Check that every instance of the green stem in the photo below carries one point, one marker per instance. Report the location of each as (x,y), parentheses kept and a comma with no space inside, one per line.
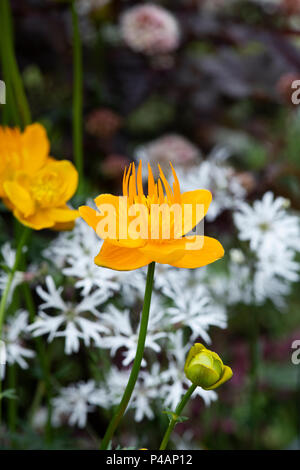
(137,361)
(178,412)
(36,402)
(77,97)
(12,73)
(11,275)
(6,291)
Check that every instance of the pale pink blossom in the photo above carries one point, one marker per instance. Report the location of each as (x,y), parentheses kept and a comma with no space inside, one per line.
(150,29)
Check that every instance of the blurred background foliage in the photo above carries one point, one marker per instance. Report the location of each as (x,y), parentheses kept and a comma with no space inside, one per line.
(228,83)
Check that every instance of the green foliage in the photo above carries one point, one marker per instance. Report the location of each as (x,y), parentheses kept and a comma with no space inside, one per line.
(154,114)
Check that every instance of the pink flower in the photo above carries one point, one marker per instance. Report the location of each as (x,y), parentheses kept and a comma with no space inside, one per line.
(150,29)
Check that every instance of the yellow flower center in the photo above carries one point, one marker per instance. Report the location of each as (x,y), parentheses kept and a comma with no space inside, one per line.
(45,189)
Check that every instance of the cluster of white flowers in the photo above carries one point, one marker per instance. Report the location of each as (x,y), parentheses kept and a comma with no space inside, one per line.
(274,239)
(150,29)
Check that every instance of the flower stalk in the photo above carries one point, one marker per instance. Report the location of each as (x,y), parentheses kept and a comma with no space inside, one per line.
(77,96)
(137,361)
(6,291)
(11,275)
(177,414)
(10,65)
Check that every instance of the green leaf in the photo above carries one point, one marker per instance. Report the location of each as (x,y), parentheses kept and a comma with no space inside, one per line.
(10,393)
(150,117)
(5,268)
(173,416)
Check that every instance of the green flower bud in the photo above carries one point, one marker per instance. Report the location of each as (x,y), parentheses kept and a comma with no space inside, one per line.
(205,368)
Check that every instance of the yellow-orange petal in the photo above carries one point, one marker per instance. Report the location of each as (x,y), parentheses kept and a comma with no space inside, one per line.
(67,175)
(211,251)
(164,253)
(116,213)
(19,198)
(90,216)
(104,199)
(176,186)
(63,214)
(168,189)
(35,147)
(151,183)
(120,258)
(199,202)
(37,221)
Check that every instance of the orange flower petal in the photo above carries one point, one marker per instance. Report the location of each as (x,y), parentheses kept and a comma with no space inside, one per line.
(211,251)
(19,198)
(176,186)
(89,215)
(199,201)
(67,174)
(63,214)
(36,147)
(164,253)
(151,183)
(37,221)
(108,199)
(120,258)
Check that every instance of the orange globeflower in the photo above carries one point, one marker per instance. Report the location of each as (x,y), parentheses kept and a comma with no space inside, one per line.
(139,229)
(21,151)
(33,185)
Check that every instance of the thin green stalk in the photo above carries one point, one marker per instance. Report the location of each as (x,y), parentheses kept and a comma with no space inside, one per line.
(11,275)
(37,399)
(12,72)
(137,361)
(9,110)
(6,291)
(77,97)
(178,412)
